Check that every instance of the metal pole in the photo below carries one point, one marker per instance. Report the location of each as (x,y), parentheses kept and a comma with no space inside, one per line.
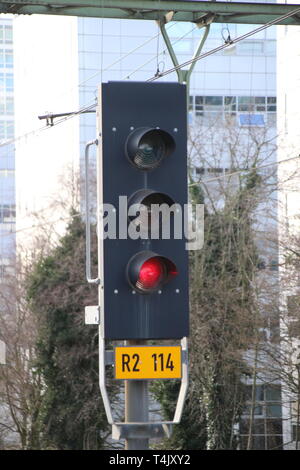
(136,407)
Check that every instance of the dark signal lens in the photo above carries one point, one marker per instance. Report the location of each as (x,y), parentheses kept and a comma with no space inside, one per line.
(147,219)
(150,151)
(147,147)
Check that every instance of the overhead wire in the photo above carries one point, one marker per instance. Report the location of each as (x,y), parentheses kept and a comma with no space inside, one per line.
(87,106)
(209,180)
(45,127)
(242,170)
(92,105)
(223,46)
(162,52)
(189,62)
(173,69)
(132,51)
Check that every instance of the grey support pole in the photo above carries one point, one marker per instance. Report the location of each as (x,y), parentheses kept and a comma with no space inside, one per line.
(136,408)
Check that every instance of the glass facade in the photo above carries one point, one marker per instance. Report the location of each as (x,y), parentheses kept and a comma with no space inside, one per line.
(261,424)
(241,110)
(7,159)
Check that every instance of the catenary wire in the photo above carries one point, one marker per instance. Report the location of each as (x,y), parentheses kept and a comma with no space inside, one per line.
(162,52)
(189,62)
(91,106)
(125,56)
(260,167)
(226,175)
(261,28)
(223,46)
(86,107)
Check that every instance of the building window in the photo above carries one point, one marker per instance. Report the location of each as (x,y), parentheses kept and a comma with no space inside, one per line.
(250,47)
(6,82)
(296,433)
(6,130)
(293,305)
(6,34)
(209,171)
(6,104)
(7,213)
(253,104)
(251,120)
(244,110)
(230,104)
(266,429)
(6,59)
(199,105)
(271,103)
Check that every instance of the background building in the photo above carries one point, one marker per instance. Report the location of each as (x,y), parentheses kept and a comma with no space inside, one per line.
(288,73)
(7,154)
(234,83)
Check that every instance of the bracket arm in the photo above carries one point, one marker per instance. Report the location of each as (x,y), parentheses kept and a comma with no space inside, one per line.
(184,75)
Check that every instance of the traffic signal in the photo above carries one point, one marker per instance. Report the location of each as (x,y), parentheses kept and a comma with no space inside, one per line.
(142,190)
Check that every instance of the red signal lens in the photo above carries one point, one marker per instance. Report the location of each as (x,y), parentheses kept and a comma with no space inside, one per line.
(151,274)
(147,272)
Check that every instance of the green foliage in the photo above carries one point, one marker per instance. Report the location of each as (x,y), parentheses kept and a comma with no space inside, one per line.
(190,433)
(67,354)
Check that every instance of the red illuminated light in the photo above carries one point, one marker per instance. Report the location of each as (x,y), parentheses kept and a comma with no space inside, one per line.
(147,272)
(151,273)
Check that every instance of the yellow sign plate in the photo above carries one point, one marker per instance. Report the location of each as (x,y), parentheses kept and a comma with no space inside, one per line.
(147,362)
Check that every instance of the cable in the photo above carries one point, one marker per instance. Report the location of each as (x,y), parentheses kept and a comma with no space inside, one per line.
(192,184)
(162,74)
(153,58)
(244,170)
(38,130)
(223,46)
(123,56)
(8,234)
(195,59)
(87,107)
(75,113)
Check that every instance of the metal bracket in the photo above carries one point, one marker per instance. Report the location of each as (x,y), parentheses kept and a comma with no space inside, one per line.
(141,430)
(87,218)
(184,75)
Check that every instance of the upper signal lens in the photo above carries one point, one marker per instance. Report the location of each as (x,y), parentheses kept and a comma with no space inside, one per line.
(147,147)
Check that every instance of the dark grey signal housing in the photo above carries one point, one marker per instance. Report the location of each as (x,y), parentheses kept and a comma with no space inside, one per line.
(143,156)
